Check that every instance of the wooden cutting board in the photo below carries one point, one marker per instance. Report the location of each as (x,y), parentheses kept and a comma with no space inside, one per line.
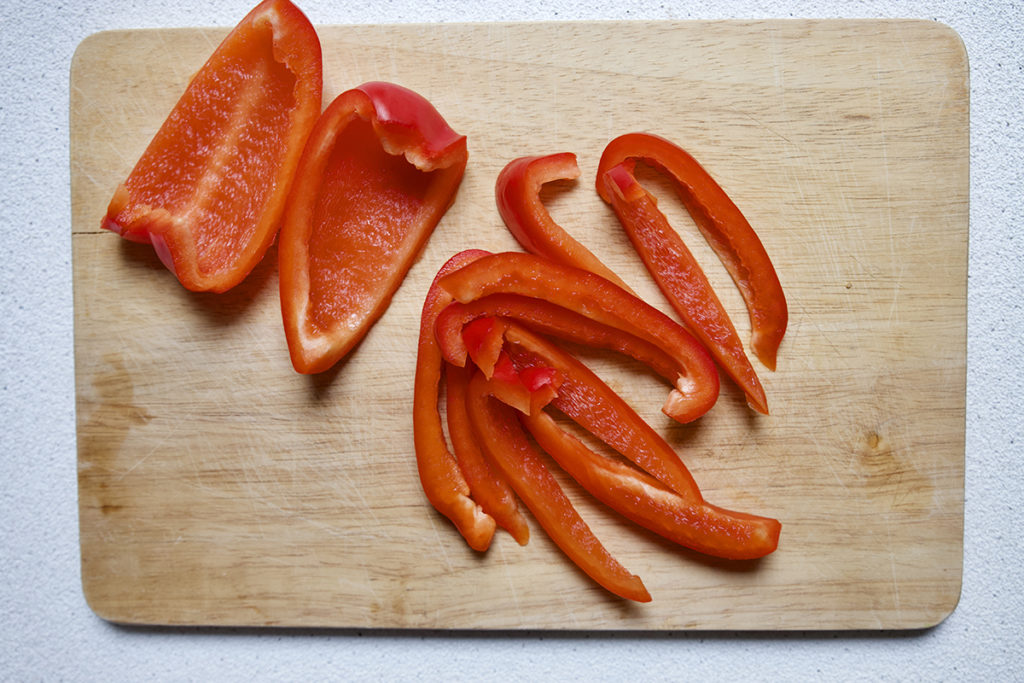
(217,486)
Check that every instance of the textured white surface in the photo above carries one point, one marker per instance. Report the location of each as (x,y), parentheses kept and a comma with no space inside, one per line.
(49,632)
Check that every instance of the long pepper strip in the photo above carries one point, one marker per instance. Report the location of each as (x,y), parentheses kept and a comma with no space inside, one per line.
(594,297)
(681,279)
(488,487)
(440,475)
(503,438)
(699,526)
(517,192)
(723,225)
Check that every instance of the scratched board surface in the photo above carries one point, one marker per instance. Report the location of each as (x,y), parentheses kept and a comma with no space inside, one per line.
(217,486)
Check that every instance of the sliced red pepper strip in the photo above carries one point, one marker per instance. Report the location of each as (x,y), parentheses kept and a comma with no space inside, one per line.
(502,437)
(517,192)
(379,171)
(592,404)
(527,391)
(440,475)
(596,298)
(540,316)
(488,487)
(724,227)
(681,279)
(646,501)
(209,190)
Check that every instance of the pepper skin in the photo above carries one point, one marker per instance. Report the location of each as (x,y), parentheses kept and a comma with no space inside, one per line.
(486,484)
(210,188)
(379,171)
(517,192)
(594,297)
(723,225)
(440,474)
(681,279)
(699,525)
(503,438)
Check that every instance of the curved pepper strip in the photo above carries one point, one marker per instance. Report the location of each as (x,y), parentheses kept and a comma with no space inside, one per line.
(503,438)
(644,500)
(540,316)
(681,279)
(209,190)
(592,296)
(517,192)
(488,488)
(592,404)
(440,475)
(724,227)
(379,171)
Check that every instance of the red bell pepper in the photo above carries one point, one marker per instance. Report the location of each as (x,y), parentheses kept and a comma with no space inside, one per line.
(541,316)
(518,196)
(486,484)
(440,475)
(379,171)
(209,190)
(697,525)
(723,225)
(592,404)
(592,296)
(502,437)
(681,279)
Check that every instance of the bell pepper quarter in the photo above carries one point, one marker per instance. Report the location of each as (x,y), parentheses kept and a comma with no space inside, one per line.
(440,474)
(540,316)
(647,502)
(587,400)
(723,226)
(681,279)
(379,171)
(209,190)
(486,484)
(594,297)
(502,437)
(517,192)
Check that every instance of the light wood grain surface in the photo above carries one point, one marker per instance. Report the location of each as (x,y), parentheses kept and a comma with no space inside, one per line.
(217,486)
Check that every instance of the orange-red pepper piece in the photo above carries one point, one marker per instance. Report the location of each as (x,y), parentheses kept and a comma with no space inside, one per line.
(590,295)
(486,483)
(681,279)
(722,224)
(379,171)
(517,192)
(592,404)
(210,188)
(697,525)
(503,438)
(440,475)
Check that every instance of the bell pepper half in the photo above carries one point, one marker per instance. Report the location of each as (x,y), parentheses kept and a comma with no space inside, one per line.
(643,499)
(442,478)
(379,171)
(517,192)
(502,437)
(209,190)
(681,279)
(594,297)
(722,224)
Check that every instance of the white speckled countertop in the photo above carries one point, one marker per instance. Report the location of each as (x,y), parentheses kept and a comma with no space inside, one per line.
(48,631)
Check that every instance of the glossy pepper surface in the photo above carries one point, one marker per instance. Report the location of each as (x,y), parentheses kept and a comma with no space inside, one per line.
(722,224)
(501,435)
(594,297)
(681,279)
(379,171)
(517,192)
(209,190)
(440,475)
